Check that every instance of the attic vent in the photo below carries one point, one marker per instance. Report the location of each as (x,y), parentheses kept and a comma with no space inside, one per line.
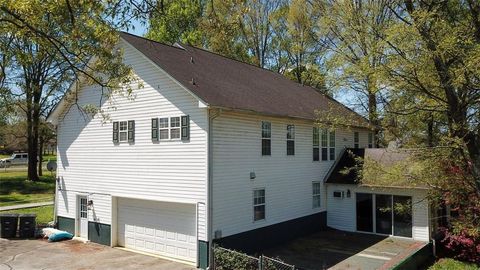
(176,44)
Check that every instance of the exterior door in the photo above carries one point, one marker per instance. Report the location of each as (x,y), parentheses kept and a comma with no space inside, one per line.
(82,217)
(364,212)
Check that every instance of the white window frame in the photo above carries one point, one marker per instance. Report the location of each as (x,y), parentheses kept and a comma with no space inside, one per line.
(316,143)
(356,139)
(316,197)
(370,140)
(177,127)
(122,131)
(266,138)
(332,145)
(291,138)
(259,204)
(323,143)
(168,127)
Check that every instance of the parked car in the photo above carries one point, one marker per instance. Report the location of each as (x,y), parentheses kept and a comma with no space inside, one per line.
(14,159)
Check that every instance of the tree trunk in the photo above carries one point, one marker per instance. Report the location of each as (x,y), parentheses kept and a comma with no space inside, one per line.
(40,156)
(372,110)
(430,135)
(32,150)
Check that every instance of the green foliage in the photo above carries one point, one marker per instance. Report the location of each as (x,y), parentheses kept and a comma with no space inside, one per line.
(451,264)
(18,198)
(16,182)
(227,260)
(44,213)
(176,21)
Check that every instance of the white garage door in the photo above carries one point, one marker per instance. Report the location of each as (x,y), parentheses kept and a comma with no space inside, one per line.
(162,228)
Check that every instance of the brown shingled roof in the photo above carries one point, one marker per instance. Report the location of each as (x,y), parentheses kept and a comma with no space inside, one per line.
(227,83)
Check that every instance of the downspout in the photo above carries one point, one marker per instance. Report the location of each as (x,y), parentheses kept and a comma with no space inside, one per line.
(55,220)
(211,117)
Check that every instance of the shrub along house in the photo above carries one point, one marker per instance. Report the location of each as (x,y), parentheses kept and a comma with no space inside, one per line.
(209,150)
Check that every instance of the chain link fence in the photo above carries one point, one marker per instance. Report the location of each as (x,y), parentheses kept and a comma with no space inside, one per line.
(226,259)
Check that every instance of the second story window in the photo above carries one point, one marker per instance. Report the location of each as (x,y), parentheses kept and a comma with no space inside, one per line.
(316,144)
(123,131)
(332,145)
(370,140)
(290,140)
(163,126)
(356,140)
(324,142)
(174,127)
(266,138)
(166,128)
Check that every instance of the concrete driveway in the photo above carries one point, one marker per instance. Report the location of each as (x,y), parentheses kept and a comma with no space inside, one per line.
(74,255)
(332,249)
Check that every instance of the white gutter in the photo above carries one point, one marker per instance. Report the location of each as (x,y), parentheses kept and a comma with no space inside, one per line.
(211,117)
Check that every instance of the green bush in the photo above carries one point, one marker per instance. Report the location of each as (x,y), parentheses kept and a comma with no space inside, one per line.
(451,264)
(230,260)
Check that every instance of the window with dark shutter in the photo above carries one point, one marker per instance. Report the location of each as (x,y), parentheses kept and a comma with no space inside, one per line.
(115,132)
(186,127)
(154,129)
(131,131)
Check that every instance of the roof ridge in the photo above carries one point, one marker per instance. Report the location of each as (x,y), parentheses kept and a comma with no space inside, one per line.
(243,62)
(151,40)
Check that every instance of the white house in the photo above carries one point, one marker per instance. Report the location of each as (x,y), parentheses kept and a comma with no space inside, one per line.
(208,150)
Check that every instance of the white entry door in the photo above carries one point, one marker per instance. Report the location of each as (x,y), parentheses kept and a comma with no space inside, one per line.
(163,228)
(82,217)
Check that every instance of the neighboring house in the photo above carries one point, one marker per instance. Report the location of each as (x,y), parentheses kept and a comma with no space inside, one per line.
(209,150)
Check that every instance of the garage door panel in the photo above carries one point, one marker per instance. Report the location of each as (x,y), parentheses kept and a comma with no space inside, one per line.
(158,227)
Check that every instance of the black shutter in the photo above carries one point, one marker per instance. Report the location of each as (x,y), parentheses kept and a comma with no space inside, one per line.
(154,129)
(185,127)
(115,132)
(131,131)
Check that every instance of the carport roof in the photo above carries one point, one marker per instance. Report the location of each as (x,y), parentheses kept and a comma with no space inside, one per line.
(382,167)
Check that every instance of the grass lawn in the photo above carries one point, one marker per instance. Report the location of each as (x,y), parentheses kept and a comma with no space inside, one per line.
(44,213)
(451,264)
(15,189)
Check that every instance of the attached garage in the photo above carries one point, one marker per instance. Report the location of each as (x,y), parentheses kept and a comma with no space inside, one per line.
(163,228)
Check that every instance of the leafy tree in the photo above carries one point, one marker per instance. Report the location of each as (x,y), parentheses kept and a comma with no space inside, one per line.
(433,60)
(178,20)
(49,43)
(221,25)
(353,31)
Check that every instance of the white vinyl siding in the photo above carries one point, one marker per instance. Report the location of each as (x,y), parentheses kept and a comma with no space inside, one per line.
(341,212)
(287,179)
(172,170)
